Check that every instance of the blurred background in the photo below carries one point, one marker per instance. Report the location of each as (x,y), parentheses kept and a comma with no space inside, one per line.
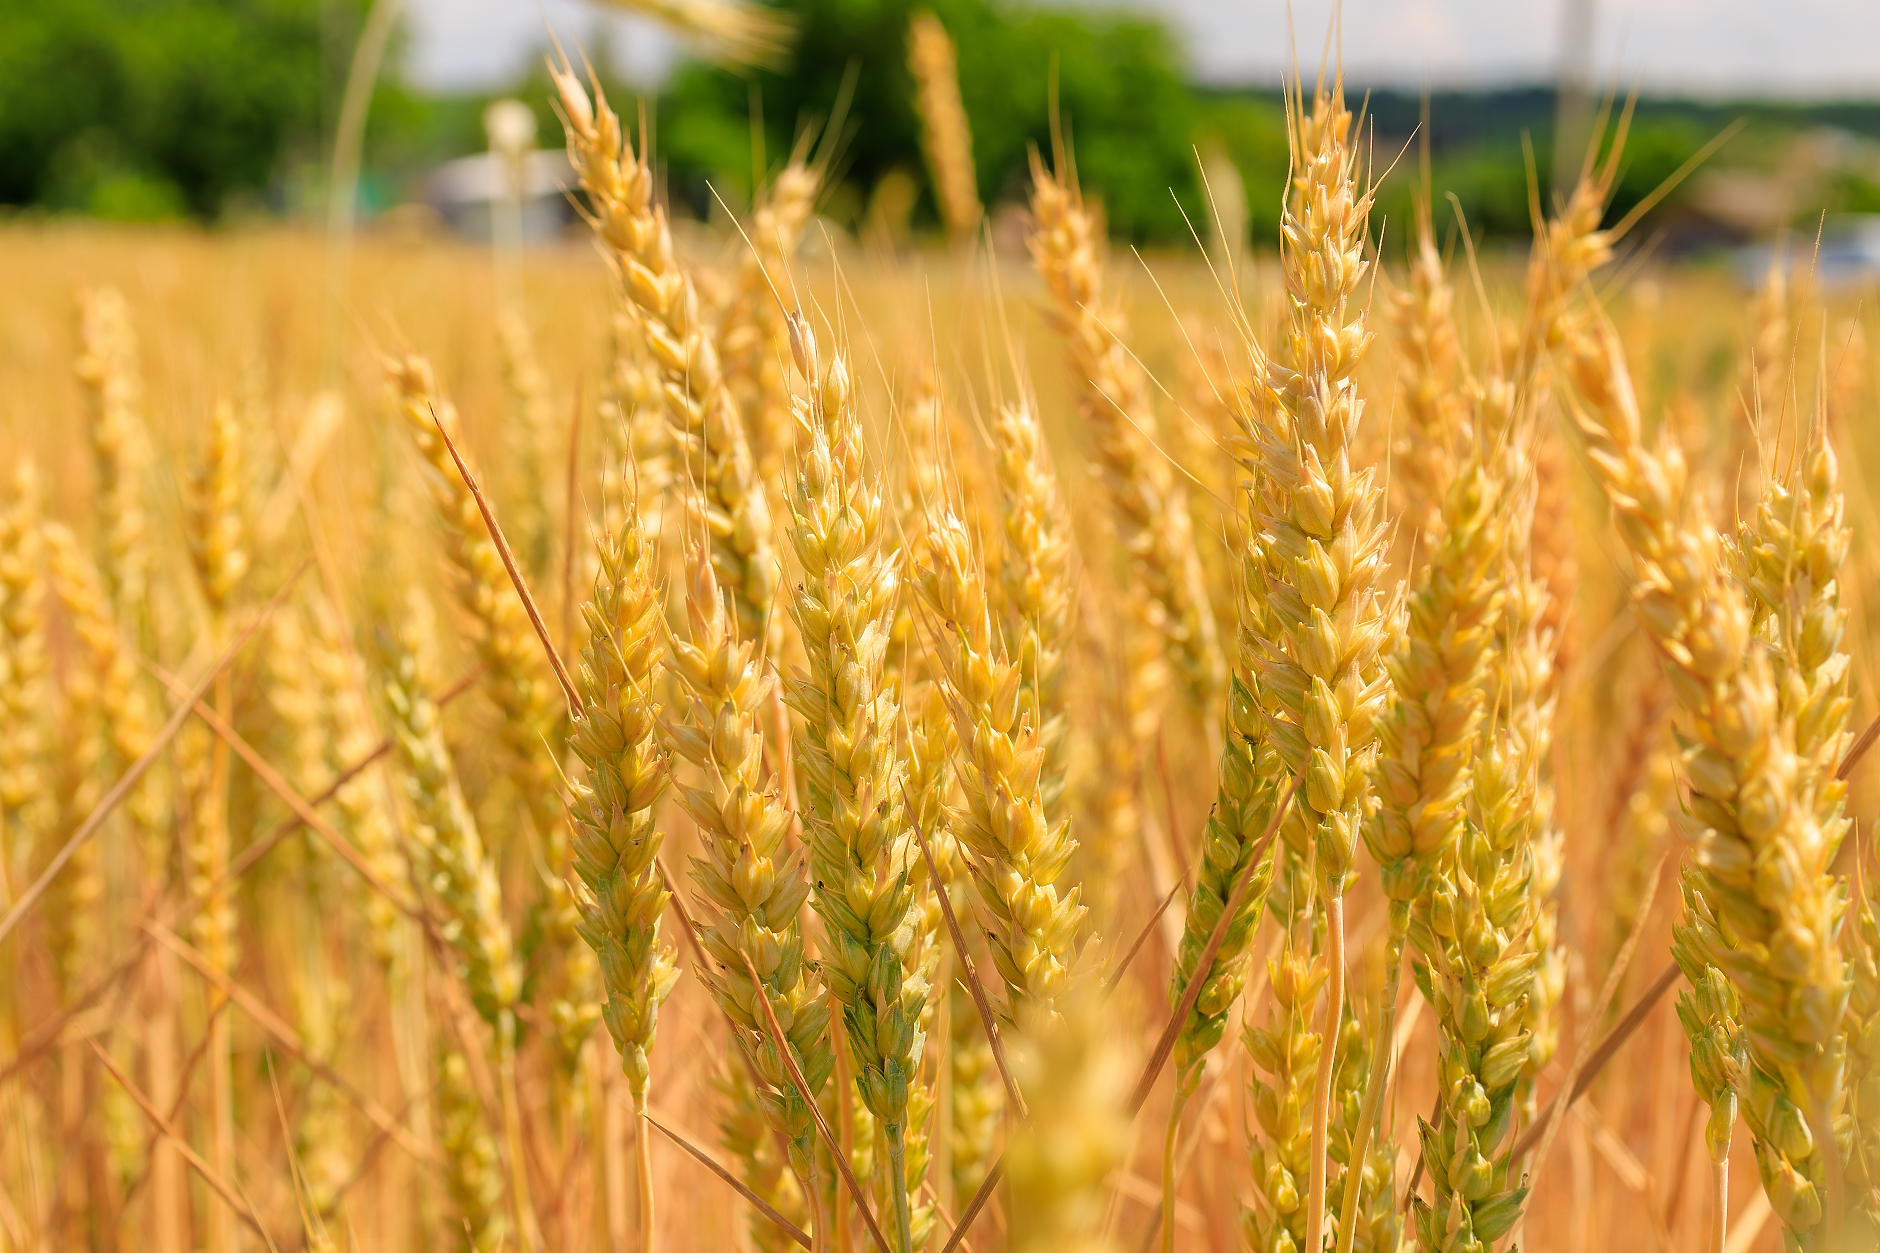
(226,111)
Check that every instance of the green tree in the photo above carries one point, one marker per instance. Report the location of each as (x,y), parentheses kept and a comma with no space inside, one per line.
(147,108)
(1120,88)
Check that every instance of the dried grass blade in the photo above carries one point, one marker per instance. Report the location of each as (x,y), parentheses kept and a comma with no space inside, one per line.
(782,1042)
(1142,936)
(1858,748)
(123,786)
(290,1040)
(242,1210)
(509,564)
(711,1163)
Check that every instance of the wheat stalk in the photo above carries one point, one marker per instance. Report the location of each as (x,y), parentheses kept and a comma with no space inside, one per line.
(1114,397)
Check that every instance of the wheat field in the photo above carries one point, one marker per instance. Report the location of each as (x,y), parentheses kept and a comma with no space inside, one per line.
(758,740)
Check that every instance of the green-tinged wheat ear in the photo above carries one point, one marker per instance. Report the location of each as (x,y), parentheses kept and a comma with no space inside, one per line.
(616,846)
(752,886)
(1858,1128)
(473,1173)
(1015,854)
(1756,803)
(700,404)
(862,847)
(446,842)
(1113,392)
(1322,682)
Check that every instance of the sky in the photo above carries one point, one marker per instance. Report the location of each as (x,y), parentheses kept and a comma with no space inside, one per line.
(1799,48)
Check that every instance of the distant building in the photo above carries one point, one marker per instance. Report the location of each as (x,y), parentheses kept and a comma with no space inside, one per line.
(465,193)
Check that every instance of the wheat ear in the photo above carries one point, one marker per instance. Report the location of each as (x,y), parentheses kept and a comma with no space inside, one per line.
(616,846)
(753,336)
(1113,394)
(1434,435)
(700,405)
(1321,675)
(1034,581)
(453,861)
(1014,853)
(1859,1127)
(530,418)
(23,671)
(1753,807)
(753,888)
(861,847)
(945,134)
(215,531)
(120,445)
